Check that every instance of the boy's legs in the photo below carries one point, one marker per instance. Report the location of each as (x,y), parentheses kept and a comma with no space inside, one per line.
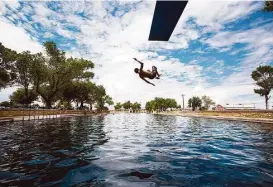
(155,73)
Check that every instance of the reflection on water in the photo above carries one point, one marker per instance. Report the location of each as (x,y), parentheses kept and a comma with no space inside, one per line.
(136,150)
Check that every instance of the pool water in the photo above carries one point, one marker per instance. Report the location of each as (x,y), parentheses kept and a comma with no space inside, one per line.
(136,150)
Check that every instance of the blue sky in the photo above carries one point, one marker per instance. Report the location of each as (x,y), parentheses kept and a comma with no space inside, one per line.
(213,50)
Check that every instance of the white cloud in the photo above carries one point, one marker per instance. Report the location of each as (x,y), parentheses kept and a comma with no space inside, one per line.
(214,14)
(12,4)
(2,8)
(238,86)
(217,67)
(17,38)
(240,83)
(48,35)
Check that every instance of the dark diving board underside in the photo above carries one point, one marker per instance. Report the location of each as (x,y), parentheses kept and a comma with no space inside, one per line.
(166,16)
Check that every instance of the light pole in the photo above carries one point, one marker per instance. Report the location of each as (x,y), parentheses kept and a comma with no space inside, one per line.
(183,100)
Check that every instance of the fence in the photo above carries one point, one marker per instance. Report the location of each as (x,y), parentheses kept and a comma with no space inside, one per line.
(31,113)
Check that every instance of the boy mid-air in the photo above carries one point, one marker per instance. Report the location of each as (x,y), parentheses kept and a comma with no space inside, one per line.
(146,74)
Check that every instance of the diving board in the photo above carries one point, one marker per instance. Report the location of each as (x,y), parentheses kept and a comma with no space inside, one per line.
(166,16)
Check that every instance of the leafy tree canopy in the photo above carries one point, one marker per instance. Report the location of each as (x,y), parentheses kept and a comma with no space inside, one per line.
(268,6)
(19,97)
(7,68)
(194,102)
(263,77)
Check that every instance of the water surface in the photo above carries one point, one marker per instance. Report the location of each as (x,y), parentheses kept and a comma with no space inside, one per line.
(136,150)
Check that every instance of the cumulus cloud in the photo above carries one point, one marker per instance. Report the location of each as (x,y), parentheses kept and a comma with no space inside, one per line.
(17,38)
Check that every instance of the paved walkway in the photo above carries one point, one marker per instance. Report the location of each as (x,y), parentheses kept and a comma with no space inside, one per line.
(229,118)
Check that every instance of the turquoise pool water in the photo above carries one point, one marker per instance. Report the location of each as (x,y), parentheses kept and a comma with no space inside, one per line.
(136,150)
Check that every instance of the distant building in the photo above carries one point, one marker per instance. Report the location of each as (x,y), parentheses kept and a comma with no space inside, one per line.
(234,107)
(219,108)
(240,108)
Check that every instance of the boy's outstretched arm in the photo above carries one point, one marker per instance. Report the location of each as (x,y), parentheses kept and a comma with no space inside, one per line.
(141,63)
(138,60)
(147,81)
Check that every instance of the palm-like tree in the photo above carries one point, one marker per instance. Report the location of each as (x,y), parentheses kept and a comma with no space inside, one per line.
(263,76)
(268,6)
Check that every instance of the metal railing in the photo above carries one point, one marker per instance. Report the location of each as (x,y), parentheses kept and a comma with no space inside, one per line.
(27,114)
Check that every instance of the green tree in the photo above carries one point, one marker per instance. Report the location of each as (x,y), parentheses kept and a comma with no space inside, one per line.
(5,104)
(170,103)
(100,103)
(23,67)
(160,104)
(136,107)
(263,77)
(118,106)
(268,6)
(148,106)
(64,104)
(194,102)
(108,100)
(207,102)
(86,92)
(82,92)
(69,94)
(127,105)
(100,98)
(54,73)
(154,105)
(7,68)
(96,93)
(20,97)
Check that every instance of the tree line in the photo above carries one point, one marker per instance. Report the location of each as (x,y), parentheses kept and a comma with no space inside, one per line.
(159,104)
(202,103)
(52,77)
(128,105)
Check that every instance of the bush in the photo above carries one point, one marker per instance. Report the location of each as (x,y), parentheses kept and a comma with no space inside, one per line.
(203,108)
(5,104)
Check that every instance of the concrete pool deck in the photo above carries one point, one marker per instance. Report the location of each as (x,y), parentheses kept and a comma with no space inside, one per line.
(211,116)
(41,117)
(229,118)
(45,117)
